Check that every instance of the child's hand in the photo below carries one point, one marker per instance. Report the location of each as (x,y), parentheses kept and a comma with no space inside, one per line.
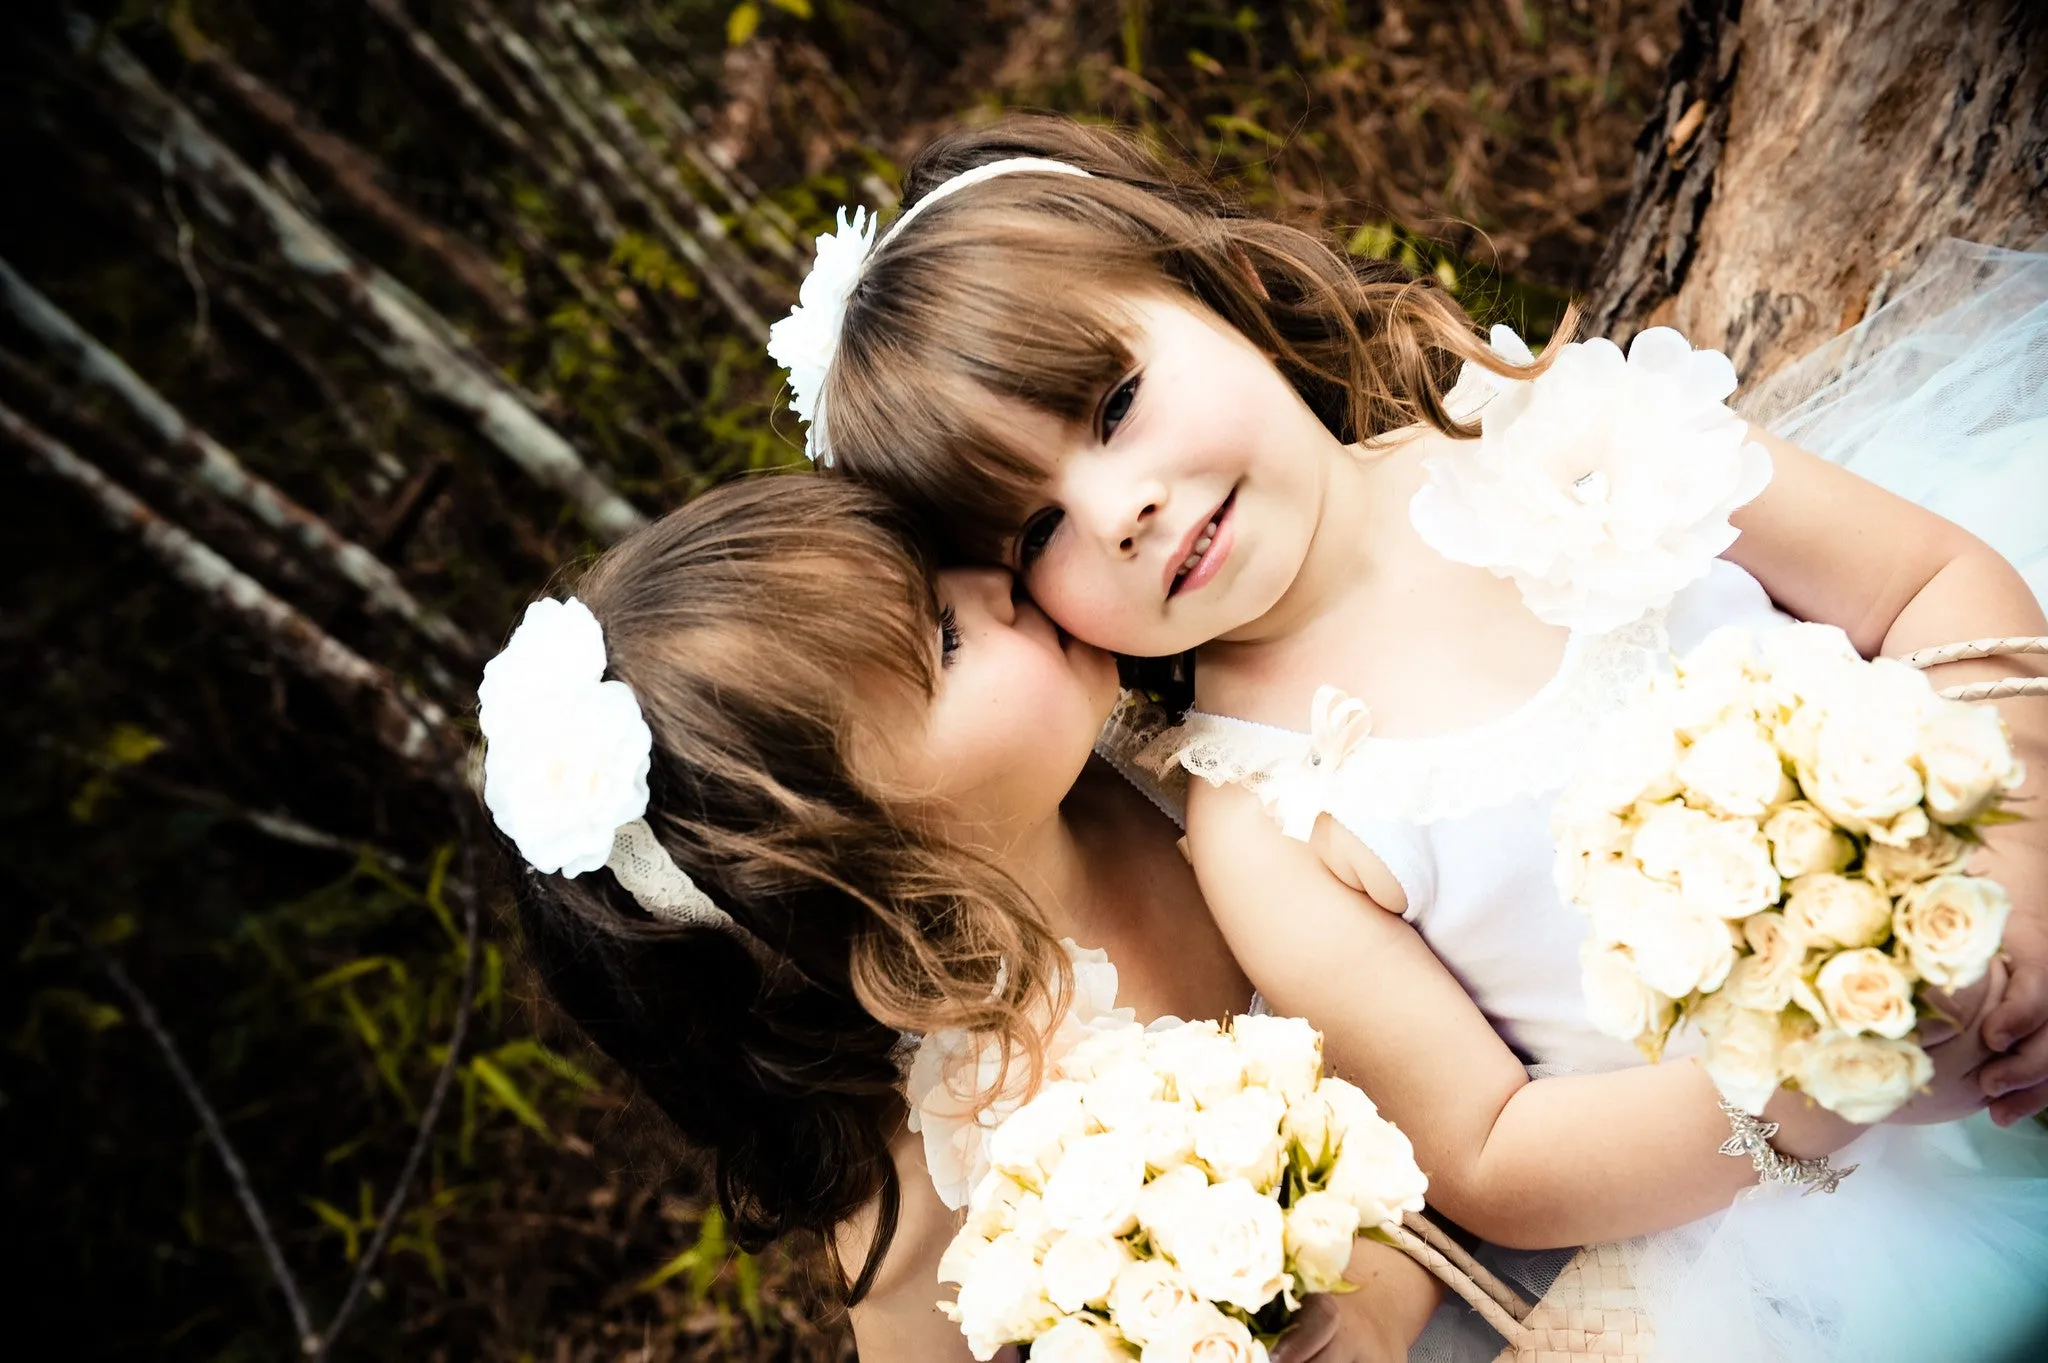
(1375,1324)
(1958,1051)
(2016,1082)
(1337,1329)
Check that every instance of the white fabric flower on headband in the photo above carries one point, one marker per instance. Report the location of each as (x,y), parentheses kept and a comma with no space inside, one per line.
(806,341)
(568,752)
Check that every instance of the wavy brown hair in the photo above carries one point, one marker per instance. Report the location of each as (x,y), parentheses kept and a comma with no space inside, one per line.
(761,627)
(1010,286)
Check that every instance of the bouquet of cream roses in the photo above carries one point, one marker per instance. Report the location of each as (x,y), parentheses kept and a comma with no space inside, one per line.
(1171,1194)
(1772,844)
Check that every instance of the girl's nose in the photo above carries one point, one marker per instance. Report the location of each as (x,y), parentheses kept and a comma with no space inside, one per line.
(1135,526)
(1120,510)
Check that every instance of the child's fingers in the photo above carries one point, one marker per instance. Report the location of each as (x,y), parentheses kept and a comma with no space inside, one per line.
(2024,1009)
(2017,1107)
(2019,1071)
(1311,1332)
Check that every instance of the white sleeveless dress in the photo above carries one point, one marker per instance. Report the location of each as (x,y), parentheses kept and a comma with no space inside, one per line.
(1937,1248)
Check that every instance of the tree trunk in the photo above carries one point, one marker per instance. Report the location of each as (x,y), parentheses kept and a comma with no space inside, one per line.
(1809,153)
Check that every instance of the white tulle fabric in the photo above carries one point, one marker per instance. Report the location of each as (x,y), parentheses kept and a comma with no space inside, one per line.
(1941,396)
(1938,1247)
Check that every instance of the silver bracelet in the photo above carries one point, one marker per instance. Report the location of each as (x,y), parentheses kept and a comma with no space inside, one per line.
(1753,1138)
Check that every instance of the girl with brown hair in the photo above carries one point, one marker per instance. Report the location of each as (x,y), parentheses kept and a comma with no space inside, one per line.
(1190,429)
(780,795)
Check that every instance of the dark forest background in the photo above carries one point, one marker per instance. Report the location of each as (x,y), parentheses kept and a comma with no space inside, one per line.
(329,331)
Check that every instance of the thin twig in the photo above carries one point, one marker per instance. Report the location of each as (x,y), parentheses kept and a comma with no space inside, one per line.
(238,1174)
(388,1223)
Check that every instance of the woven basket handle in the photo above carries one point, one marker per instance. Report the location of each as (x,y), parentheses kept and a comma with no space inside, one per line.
(1497,1304)
(2001,689)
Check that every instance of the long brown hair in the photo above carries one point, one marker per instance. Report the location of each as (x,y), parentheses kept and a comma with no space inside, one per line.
(760,627)
(1008,285)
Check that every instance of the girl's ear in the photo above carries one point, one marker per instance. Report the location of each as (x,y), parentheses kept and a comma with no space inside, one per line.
(1244,263)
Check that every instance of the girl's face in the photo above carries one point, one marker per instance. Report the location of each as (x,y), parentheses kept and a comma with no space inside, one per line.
(1185,510)
(1015,715)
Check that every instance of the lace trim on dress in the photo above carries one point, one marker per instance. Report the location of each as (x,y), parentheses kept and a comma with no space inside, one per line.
(1532,750)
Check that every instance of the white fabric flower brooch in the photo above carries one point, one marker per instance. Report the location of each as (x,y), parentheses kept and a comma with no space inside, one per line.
(1602,487)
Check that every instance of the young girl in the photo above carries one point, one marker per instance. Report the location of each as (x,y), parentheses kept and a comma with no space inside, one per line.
(776,795)
(1189,429)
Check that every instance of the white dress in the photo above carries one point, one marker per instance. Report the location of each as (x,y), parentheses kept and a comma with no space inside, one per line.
(1937,1248)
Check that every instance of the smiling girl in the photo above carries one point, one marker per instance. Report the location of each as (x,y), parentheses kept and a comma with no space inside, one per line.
(1191,429)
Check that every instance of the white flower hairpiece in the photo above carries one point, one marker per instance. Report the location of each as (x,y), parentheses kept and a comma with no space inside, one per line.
(806,341)
(566,763)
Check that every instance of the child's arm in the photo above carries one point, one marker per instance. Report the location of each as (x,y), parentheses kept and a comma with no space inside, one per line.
(1830,546)
(1528,1164)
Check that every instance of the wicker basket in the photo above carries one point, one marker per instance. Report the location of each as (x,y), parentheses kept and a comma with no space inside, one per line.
(1588,1313)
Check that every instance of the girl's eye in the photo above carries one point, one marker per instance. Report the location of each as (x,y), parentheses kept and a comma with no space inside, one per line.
(949,636)
(1118,406)
(1036,534)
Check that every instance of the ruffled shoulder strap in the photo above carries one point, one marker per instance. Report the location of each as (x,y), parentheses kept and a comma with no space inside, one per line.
(1293,774)
(1603,486)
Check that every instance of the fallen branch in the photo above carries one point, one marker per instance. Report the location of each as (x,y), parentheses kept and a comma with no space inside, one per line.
(775,228)
(566,183)
(55,406)
(353,175)
(485,28)
(413,730)
(158,236)
(317,1345)
(216,469)
(391,322)
(594,298)
(645,160)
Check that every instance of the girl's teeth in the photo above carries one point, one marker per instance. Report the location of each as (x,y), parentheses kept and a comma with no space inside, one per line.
(1201,547)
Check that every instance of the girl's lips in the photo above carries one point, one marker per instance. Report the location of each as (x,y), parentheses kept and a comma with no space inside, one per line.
(1212,556)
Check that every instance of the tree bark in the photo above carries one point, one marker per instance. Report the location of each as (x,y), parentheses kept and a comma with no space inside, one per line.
(1808,154)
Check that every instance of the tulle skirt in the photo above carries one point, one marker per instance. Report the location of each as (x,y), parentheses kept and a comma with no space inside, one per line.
(1937,1248)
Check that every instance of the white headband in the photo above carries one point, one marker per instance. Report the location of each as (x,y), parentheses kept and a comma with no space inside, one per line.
(566,762)
(806,341)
